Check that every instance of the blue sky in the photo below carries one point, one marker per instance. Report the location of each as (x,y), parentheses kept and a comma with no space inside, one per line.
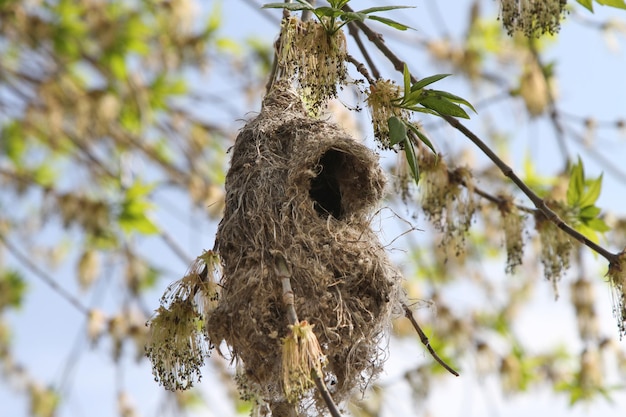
(591,73)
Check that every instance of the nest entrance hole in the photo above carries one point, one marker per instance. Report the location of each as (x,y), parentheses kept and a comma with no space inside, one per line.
(325,188)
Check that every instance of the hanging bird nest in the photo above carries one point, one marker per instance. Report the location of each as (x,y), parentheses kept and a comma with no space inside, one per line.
(300,190)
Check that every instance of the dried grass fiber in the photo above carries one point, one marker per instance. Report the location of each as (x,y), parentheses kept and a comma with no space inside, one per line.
(302,189)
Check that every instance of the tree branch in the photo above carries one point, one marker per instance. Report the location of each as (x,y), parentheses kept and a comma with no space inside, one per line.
(536,200)
(360,68)
(398,64)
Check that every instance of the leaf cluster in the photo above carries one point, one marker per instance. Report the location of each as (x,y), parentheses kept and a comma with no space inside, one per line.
(333,17)
(436,102)
(417,98)
(135,210)
(582,194)
(588,4)
(12,289)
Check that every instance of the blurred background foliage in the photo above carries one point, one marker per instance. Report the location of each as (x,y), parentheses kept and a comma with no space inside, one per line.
(115,122)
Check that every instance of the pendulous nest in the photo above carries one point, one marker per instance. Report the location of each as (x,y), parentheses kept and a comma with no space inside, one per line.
(302,190)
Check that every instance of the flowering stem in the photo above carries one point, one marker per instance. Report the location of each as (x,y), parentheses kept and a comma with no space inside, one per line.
(554,114)
(360,67)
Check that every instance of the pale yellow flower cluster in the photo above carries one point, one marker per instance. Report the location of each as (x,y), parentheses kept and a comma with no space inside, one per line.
(380,101)
(556,248)
(617,278)
(177,342)
(513,225)
(532,17)
(314,58)
(447,200)
(302,356)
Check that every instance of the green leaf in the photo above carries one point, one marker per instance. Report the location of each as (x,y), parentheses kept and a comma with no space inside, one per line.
(407,80)
(149,279)
(383,9)
(141,224)
(351,16)
(228,45)
(13,143)
(338,4)
(411,99)
(589,233)
(293,7)
(428,80)
(422,137)
(389,22)
(215,18)
(44,175)
(576,184)
(589,212)
(453,98)
(129,118)
(444,106)
(328,12)
(598,225)
(421,110)
(593,192)
(588,4)
(118,66)
(619,4)
(409,152)
(397,130)
(12,289)
(135,208)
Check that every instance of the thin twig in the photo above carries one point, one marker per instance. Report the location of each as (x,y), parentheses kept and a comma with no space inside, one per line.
(174,246)
(554,113)
(83,148)
(606,164)
(377,39)
(44,276)
(306,14)
(424,339)
(587,121)
(328,399)
(360,68)
(275,64)
(269,16)
(352,30)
